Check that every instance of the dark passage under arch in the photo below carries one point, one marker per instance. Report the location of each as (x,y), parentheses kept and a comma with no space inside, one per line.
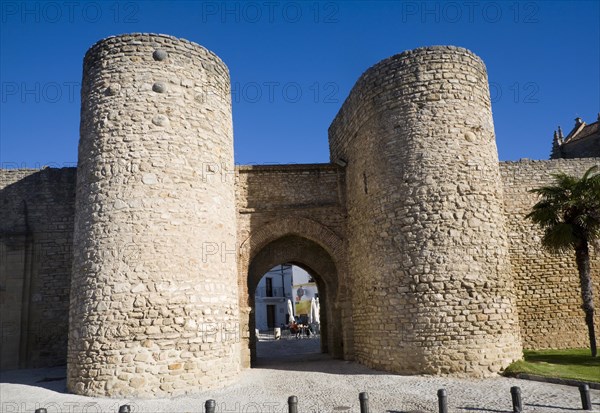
(318,263)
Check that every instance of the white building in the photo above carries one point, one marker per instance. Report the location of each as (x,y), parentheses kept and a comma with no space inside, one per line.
(273,292)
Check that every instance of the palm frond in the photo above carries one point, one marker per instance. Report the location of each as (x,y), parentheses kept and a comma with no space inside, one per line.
(565,181)
(587,173)
(544,214)
(569,210)
(560,237)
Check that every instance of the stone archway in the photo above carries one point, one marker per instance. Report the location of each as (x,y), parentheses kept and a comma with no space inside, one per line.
(317,249)
(307,254)
(305,227)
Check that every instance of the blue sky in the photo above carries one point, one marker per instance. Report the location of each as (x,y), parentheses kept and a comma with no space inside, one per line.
(292,65)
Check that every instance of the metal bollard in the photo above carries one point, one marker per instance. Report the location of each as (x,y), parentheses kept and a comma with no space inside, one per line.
(443,400)
(293,404)
(41,410)
(515,393)
(586,402)
(364,402)
(125,408)
(210,406)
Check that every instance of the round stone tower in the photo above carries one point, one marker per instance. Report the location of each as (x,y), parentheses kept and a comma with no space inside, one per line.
(154,306)
(428,258)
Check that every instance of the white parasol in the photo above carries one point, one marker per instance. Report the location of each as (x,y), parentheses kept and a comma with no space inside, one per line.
(290,310)
(314,312)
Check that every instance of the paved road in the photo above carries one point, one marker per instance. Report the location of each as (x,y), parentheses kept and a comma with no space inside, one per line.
(321,384)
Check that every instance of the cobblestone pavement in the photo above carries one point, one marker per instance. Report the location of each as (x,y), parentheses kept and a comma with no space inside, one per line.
(322,385)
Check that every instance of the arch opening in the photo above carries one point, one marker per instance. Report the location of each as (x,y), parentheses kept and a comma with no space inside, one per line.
(316,261)
(287,316)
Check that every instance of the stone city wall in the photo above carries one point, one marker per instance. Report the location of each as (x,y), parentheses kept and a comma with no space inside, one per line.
(36,237)
(547,284)
(414,232)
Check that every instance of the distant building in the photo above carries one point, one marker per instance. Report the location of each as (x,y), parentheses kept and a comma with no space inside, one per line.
(582,142)
(273,292)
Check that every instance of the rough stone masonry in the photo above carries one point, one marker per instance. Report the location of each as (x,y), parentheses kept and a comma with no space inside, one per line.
(155,243)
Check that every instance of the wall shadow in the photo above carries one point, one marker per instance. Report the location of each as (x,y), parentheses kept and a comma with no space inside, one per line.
(51,378)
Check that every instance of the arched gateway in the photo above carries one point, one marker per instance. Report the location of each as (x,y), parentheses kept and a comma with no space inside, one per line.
(320,251)
(404,230)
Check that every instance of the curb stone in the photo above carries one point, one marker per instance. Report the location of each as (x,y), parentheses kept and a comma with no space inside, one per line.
(566,382)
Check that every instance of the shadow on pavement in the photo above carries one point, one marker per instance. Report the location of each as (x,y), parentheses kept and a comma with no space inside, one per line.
(546,406)
(304,355)
(51,378)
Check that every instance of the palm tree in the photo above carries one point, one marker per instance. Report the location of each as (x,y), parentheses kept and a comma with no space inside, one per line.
(569,214)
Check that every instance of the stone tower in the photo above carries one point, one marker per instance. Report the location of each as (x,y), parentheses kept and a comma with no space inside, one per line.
(431,279)
(154,297)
